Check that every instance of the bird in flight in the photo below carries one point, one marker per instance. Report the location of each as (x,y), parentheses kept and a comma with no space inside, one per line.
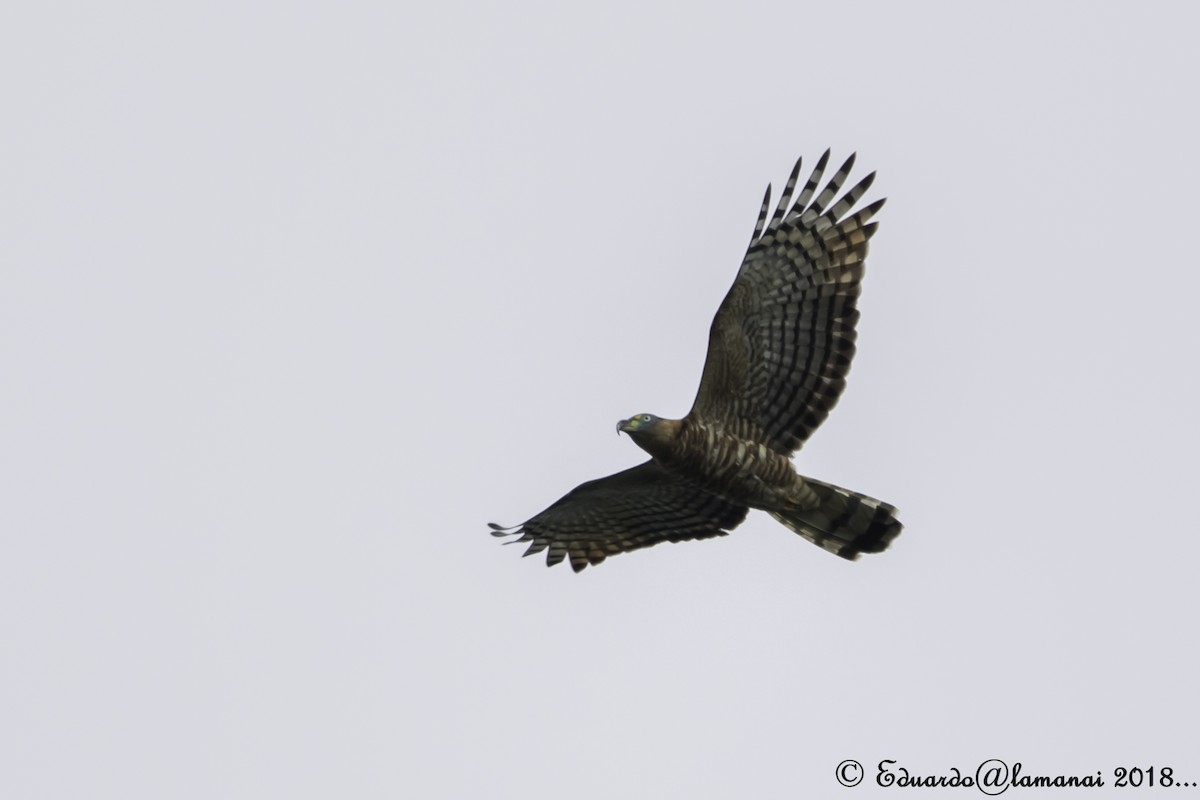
(778,352)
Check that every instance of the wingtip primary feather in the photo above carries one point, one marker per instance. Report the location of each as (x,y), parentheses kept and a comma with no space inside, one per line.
(535,547)
(502,530)
(846,203)
(785,198)
(830,191)
(762,216)
(810,187)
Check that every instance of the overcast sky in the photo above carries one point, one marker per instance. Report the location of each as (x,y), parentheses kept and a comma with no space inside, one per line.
(295,298)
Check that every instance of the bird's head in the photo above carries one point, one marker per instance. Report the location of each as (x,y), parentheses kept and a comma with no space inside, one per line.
(639,423)
(653,434)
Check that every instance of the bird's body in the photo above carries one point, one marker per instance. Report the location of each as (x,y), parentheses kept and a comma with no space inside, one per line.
(729,463)
(779,350)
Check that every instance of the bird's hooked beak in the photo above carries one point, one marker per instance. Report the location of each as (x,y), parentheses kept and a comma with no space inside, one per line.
(625,425)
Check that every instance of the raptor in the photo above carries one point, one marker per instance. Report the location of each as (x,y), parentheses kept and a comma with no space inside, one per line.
(779,350)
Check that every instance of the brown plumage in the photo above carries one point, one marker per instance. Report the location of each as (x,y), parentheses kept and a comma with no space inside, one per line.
(778,353)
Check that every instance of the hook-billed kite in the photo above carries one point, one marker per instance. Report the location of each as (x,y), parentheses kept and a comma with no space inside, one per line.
(778,353)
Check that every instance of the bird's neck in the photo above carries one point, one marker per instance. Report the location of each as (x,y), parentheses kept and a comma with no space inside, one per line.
(661,441)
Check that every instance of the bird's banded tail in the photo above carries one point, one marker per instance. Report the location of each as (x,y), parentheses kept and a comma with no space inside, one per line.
(846,523)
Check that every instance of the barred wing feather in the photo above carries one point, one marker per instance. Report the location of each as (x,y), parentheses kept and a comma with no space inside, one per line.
(636,508)
(781,342)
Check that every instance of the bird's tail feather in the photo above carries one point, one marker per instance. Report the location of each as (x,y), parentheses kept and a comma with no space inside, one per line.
(845,523)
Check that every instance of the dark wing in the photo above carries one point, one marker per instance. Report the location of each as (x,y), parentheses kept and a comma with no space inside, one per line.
(781,342)
(636,508)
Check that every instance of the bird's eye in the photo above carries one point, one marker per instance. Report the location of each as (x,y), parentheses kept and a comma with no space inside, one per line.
(645,417)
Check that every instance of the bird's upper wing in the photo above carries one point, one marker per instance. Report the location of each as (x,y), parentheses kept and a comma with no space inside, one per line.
(781,342)
(637,508)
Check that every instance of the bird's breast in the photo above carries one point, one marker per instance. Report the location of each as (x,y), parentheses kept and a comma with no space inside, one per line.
(739,469)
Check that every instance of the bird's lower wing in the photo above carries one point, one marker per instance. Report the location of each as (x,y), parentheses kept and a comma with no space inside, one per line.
(637,508)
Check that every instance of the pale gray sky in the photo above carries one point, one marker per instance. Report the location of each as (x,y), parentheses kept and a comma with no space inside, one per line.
(295,298)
